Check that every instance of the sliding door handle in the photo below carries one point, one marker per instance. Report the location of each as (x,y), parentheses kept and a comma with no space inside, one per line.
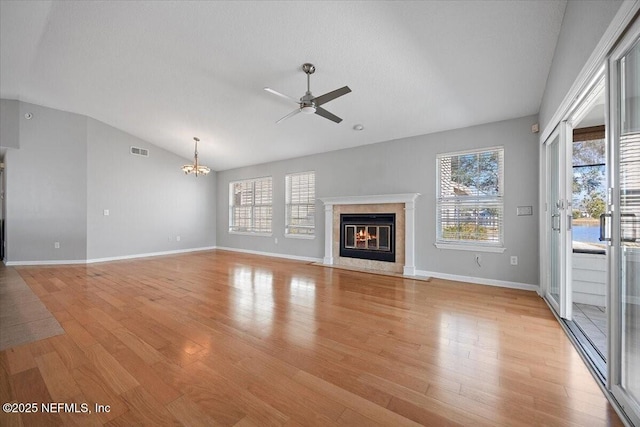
(555,217)
(605,230)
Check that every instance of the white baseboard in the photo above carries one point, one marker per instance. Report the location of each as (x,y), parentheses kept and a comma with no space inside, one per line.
(421,273)
(47,262)
(478,280)
(271,254)
(150,254)
(107,259)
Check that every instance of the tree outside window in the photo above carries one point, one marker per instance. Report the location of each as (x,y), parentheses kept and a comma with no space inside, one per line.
(470,202)
(589,187)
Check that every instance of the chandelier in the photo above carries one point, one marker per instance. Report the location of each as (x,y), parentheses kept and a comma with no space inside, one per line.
(195,168)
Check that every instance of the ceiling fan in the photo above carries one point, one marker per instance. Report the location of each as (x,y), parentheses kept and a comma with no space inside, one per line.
(310,104)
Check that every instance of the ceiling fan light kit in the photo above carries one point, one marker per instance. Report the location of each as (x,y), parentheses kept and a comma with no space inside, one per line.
(308,109)
(310,104)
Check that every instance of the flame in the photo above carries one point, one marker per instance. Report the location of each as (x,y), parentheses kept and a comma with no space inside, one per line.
(363,236)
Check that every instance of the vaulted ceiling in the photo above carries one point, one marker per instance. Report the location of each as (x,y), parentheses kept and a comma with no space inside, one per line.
(168,71)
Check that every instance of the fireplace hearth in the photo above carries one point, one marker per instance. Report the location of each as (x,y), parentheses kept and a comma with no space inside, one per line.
(368,236)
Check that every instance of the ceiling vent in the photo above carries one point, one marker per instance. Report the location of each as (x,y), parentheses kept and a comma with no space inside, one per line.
(140,151)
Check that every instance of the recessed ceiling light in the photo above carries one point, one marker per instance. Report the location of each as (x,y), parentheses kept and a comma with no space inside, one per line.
(358,127)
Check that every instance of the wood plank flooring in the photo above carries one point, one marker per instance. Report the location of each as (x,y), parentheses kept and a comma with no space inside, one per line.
(225,339)
(23,317)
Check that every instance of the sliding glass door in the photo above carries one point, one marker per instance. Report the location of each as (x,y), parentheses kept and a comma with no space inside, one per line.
(558,223)
(624,208)
(577,169)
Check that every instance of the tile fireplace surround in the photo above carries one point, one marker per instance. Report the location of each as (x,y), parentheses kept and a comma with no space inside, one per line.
(403,205)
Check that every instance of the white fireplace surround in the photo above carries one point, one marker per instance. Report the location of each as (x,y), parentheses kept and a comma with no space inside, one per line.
(409,200)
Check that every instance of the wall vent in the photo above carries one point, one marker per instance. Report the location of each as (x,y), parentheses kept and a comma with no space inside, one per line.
(140,151)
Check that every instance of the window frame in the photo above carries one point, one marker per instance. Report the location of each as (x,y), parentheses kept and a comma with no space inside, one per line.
(252,230)
(288,203)
(497,200)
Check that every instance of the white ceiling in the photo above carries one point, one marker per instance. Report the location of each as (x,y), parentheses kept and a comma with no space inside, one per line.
(168,71)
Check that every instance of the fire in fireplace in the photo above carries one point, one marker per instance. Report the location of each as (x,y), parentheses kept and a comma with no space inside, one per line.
(368,236)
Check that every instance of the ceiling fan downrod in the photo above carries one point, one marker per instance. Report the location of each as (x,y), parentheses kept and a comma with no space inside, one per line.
(308,69)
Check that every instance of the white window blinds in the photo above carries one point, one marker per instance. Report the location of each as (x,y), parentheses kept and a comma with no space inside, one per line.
(470,207)
(300,204)
(630,186)
(250,205)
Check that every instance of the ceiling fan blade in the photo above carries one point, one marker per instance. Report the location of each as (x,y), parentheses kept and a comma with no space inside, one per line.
(323,99)
(281,95)
(327,115)
(293,113)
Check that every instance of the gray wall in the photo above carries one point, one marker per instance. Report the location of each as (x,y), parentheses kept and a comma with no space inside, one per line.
(582,28)
(69,168)
(46,187)
(150,200)
(9,124)
(407,166)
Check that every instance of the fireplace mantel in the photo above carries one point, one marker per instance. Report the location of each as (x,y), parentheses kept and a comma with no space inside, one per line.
(408,199)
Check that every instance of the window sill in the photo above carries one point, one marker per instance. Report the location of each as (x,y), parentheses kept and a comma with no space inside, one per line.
(473,248)
(300,236)
(249,233)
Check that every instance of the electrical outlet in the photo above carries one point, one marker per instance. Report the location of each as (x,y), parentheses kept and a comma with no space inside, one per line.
(56,245)
(514,260)
(276,240)
(105,212)
(177,238)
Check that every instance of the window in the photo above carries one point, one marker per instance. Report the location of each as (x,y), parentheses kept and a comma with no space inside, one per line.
(300,204)
(589,192)
(250,206)
(470,199)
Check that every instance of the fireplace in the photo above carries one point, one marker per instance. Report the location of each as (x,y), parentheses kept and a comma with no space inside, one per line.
(368,236)
(403,245)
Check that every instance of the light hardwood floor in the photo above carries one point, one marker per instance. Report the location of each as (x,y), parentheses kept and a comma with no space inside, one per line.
(221,338)
(23,317)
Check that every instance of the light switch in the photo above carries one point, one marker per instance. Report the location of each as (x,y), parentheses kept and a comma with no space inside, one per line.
(524,210)
(106,212)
